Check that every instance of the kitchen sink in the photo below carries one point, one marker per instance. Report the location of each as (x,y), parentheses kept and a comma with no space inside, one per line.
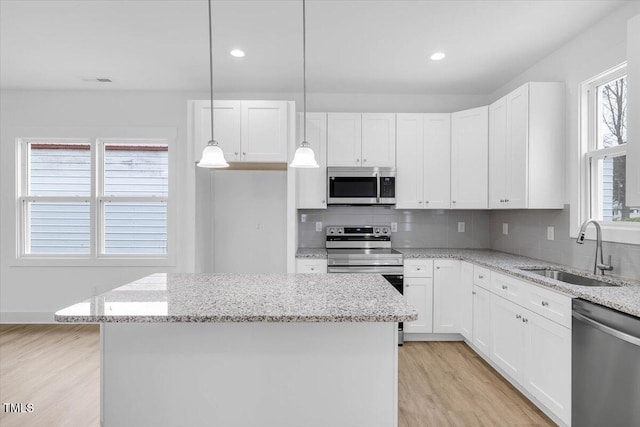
(571,278)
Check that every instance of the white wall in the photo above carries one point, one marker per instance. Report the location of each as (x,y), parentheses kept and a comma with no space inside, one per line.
(29,293)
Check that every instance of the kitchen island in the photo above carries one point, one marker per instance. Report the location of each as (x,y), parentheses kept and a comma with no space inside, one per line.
(248,350)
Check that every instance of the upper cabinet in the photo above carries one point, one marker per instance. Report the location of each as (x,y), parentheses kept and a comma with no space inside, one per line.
(469,158)
(247,131)
(311,184)
(633,110)
(355,139)
(423,158)
(526,148)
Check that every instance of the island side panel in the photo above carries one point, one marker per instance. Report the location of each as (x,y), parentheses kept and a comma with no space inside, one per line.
(242,374)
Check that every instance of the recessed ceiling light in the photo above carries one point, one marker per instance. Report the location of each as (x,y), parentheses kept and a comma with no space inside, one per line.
(438,56)
(237,53)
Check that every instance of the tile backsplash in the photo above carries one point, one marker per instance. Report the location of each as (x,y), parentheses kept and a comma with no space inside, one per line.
(527,233)
(416,228)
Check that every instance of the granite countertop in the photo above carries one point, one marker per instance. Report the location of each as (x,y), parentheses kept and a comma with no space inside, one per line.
(625,297)
(246,298)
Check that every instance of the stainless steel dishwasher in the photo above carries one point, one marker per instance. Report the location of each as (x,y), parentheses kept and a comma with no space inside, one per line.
(605,368)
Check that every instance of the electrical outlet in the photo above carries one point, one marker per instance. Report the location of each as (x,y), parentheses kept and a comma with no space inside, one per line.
(318,226)
(551,233)
(303,218)
(394,227)
(505,228)
(461,227)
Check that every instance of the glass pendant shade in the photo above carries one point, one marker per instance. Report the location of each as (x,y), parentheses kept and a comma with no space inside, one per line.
(212,157)
(304,157)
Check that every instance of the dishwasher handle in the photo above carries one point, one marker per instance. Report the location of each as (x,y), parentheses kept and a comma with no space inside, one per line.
(608,330)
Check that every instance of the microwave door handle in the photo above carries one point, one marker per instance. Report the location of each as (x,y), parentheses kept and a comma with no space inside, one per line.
(377,187)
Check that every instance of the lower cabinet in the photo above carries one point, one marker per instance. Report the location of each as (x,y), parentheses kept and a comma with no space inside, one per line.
(447,296)
(418,292)
(482,319)
(533,351)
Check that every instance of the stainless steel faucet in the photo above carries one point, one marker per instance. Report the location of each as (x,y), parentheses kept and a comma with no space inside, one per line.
(596,265)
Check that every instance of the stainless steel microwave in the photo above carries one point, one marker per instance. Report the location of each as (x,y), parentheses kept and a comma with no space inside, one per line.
(361,186)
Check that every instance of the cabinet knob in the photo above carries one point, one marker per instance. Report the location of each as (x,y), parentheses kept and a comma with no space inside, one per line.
(406,286)
(505,287)
(480,276)
(312,268)
(525,320)
(453,201)
(426,202)
(364,160)
(473,292)
(420,203)
(518,316)
(501,200)
(357,160)
(506,200)
(437,268)
(323,202)
(545,303)
(244,154)
(235,154)
(418,268)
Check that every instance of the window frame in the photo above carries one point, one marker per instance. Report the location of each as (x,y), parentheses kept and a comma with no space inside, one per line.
(96,139)
(618,232)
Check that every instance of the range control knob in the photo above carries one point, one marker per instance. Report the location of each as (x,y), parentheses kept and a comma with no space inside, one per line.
(340,230)
(377,231)
(332,230)
(385,230)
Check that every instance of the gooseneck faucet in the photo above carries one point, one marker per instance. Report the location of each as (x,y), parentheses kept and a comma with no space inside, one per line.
(581,234)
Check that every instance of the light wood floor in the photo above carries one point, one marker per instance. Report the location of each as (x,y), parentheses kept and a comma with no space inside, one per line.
(57,368)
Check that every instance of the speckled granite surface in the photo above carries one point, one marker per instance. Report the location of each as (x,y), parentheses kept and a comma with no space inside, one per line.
(625,298)
(315,253)
(246,298)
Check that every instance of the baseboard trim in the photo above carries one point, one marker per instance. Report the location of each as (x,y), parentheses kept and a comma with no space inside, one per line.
(432,337)
(26,317)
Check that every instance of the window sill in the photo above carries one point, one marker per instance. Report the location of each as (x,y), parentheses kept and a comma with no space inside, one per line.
(628,233)
(33,261)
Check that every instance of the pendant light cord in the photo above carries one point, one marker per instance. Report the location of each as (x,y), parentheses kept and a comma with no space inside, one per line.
(211,69)
(304,72)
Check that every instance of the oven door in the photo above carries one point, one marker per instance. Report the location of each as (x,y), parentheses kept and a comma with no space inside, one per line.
(351,187)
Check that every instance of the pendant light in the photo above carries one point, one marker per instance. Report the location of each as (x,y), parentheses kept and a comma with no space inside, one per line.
(212,155)
(304,157)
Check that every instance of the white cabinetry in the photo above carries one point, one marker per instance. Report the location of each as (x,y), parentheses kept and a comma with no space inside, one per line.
(418,291)
(469,158)
(633,110)
(247,131)
(507,345)
(356,139)
(447,296)
(311,184)
(466,300)
(482,319)
(311,266)
(424,161)
(526,149)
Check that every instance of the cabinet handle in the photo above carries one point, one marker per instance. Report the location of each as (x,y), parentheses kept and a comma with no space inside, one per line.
(545,303)
(505,287)
(518,316)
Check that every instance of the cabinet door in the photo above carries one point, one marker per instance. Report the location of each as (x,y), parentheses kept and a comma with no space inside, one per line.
(264,131)
(437,161)
(466,300)
(344,139)
(507,334)
(409,147)
(447,296)
(482,319)
(312,183)
(516,163)
(379,140)
(548,364)
(469,158)
(226,117)
(633,110)
(419,294)
(497,154)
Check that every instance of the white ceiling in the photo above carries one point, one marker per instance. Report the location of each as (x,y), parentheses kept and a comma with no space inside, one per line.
(352,46)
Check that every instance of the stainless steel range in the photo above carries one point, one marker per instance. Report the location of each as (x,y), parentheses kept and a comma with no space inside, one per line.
(365,249)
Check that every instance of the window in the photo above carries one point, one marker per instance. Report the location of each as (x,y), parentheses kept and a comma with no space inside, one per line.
(605,156)
(94,198)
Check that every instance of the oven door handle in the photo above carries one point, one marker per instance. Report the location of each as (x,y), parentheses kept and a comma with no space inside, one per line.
(373,270)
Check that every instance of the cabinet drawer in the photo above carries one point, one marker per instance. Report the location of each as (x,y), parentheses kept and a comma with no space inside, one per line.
(311,266)
(481,277)
(508,287)
(549,304)
(418,268)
